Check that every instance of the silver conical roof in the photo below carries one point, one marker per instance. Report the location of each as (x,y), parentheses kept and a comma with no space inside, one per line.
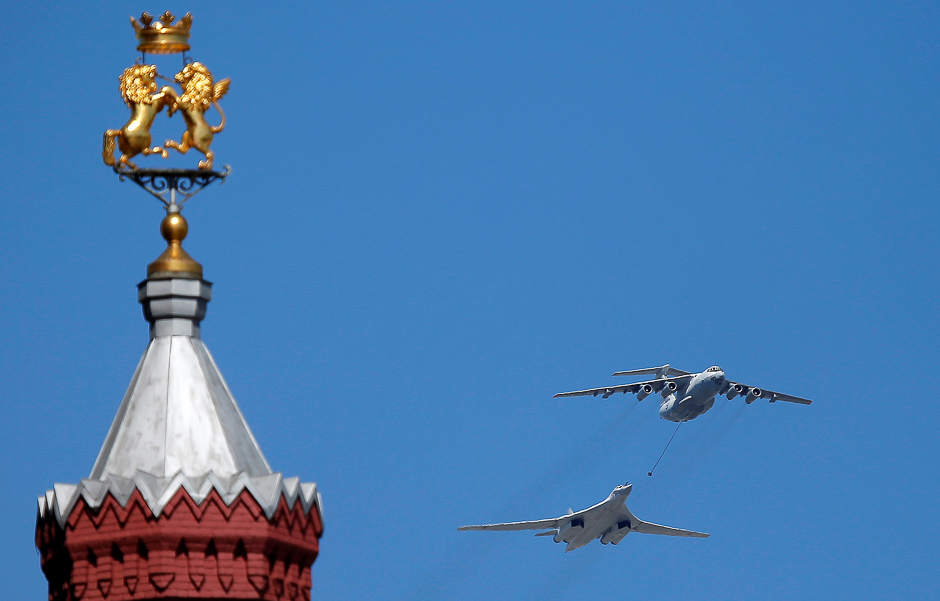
(178,426)
(179,416)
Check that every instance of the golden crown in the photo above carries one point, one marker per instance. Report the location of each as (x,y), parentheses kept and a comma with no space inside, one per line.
(162,36)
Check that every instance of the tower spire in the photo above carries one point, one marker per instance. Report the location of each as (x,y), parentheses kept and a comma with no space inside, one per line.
(181,502)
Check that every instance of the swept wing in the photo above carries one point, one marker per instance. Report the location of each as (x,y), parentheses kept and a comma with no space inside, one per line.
(626,388)
(736,388)
(650,528)
(530,525)
(638,525)
(584,514)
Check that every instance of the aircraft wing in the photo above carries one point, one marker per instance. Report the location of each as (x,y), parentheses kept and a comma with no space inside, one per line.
(624,388)
(650,528)
(773,396)
(531,525)
(588,514)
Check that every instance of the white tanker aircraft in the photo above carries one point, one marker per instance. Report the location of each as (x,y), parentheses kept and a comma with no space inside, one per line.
(609,520)
(686,395)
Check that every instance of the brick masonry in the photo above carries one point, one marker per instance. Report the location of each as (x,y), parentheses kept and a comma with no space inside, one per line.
(190,551)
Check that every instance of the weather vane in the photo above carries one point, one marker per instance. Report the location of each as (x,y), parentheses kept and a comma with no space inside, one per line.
(198,92)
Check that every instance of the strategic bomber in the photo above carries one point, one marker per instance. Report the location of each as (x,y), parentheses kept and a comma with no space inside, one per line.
(610,521)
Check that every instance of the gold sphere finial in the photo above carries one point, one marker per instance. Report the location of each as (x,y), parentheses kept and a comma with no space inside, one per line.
(174,262)
(174,228)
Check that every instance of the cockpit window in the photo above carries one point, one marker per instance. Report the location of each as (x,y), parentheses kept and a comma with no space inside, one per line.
(713,368)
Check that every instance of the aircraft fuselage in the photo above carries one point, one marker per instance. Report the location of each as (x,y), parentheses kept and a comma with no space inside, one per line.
(604,522)
(693,398)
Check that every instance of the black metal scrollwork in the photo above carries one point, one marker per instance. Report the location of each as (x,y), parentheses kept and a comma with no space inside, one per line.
(172,186)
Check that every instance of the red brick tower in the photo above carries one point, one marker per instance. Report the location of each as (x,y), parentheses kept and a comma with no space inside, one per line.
(181,503)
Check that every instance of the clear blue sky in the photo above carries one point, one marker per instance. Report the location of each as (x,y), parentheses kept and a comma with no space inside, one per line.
(443,213)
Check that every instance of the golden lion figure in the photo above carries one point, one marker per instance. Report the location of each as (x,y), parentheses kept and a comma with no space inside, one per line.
(198,93)
(138,88)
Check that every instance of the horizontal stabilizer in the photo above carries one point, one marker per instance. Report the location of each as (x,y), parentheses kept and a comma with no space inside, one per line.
(665,370)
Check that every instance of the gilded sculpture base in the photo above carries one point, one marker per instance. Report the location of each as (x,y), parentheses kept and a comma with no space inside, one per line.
(174,262)
(172,186)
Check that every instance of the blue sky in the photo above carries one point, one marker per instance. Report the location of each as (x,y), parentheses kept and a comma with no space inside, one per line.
(441,214)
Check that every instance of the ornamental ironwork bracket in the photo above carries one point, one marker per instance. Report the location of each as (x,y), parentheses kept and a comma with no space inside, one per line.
(172,187)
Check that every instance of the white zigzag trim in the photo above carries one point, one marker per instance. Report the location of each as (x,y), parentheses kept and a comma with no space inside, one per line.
(267,490)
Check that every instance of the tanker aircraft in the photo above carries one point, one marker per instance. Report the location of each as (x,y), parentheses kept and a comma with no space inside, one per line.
(609,520)
(686,395)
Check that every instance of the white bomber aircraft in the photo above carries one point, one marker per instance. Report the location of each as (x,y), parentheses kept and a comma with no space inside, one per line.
(686,395)
(609,520)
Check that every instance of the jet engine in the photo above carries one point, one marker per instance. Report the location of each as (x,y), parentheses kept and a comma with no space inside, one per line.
(615,534)
(564,532)
(644,392)
(752,395)
(669,388)
(735,391)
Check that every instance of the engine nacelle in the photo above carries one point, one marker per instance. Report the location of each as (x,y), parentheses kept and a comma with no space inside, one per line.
(565,532)
(734,391)
(616,533)
(644,392)
(752,395)
(668,388)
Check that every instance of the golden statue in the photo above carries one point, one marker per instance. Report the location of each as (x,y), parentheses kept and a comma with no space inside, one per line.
(138,88)
(198,94)
(162,36)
